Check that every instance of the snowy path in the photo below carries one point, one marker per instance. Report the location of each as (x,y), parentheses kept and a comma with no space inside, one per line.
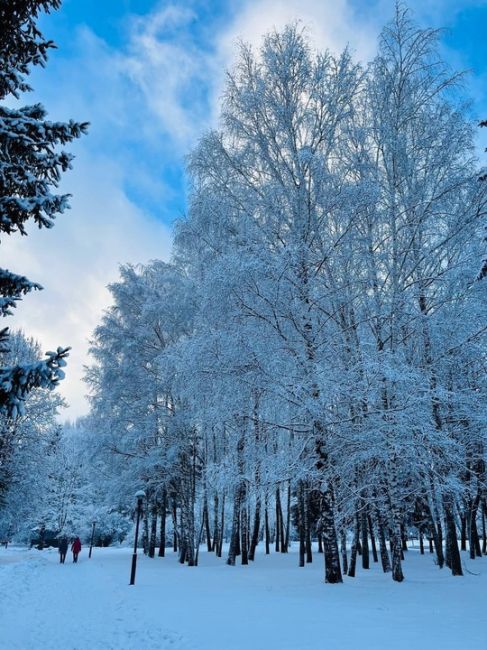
(269,605)
(87,605)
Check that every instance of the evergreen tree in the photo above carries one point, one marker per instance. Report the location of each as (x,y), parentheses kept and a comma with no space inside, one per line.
(23,441)
(30,167)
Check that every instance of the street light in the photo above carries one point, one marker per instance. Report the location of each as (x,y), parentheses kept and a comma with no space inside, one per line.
(92,538)
(140,496)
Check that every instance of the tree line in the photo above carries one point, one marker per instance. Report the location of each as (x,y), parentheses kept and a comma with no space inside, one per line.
(32,162)
(311,364)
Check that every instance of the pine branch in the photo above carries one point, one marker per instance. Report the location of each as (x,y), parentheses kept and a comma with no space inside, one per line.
(16,382)
(12,288)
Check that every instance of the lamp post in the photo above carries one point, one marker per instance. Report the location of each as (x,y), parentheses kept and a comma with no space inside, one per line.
(140,495)
(92,538)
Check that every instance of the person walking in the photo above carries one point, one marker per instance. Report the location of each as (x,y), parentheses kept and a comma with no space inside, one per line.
(63,548)
(76,548)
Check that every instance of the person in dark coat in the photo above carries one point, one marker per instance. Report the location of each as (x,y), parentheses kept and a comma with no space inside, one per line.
(76,548)
(63,548)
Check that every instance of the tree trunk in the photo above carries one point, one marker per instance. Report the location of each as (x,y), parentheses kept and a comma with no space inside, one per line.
(145,533)
(281,525)
(307,526)
(216,532)
(343,548)
(353,552)
(288,517)
(188,533)
(238,549)
(206,522)
(174,527)
(278,520)
(222,529)
(365,539)
(395,521)
(244,528)
(333,573)
(153,530)
(395,540)
(199,541)
(301,518)
(448,559)
(404,537)
(372,537)
(436,536)
(266,528)
(484,532)
(384,555)
(463,534)
(453,553)
(162,538)
(474,541)
(234,539)
(255,530)
(397,574)
(182,552)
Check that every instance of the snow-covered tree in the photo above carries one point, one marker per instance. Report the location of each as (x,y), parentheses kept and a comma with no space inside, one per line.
(26,446)
(134,406)
(312,364)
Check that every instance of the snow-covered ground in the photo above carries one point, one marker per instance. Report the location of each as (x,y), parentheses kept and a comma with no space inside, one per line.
(271,605)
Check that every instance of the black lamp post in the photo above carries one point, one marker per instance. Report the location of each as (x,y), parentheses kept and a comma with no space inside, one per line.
(92,538)
(140,495)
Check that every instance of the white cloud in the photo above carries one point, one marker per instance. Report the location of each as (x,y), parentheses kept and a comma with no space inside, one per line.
(76,260)
(172,70)
(330,24)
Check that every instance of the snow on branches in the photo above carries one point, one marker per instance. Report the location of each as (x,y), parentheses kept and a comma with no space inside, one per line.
(16,382)
(313,363)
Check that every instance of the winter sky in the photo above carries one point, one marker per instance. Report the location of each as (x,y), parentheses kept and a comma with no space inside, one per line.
(147,75)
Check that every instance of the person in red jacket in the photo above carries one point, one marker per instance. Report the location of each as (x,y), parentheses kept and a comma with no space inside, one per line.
(76,548)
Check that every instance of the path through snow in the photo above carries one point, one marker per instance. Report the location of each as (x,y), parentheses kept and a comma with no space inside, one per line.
(269,605)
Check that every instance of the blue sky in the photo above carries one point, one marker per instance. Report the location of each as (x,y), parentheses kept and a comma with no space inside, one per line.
(82,27)
(147,75)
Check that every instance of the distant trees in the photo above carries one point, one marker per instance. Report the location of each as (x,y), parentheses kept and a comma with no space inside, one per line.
(27,445)
(312,364)
(30,167)
(136,411)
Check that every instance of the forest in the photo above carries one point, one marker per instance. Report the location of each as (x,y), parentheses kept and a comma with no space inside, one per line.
(310,366)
